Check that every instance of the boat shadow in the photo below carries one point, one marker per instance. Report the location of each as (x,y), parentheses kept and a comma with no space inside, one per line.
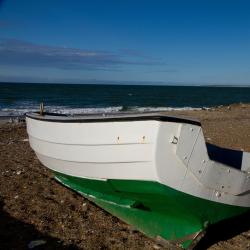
(224,230)
(16,234)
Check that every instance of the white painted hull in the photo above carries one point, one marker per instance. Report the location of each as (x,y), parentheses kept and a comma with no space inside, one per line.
(172,153)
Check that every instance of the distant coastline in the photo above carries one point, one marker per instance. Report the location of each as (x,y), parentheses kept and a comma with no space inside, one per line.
(133,83)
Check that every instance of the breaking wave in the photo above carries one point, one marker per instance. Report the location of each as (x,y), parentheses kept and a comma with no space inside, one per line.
(90,110)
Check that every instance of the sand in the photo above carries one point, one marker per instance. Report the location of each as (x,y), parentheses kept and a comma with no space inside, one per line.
(33,206)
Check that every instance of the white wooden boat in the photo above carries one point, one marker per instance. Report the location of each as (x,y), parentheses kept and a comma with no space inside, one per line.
(151,170)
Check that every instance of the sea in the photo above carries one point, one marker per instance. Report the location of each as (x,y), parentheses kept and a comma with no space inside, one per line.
(19,98)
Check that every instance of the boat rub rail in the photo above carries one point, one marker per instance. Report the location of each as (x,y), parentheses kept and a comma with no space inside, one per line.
(115,117)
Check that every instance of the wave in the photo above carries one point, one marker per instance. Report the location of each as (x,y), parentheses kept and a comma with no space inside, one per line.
(90,110)
(156,109)
(61,110)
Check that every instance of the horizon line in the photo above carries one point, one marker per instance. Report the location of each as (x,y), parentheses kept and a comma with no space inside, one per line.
(132,83)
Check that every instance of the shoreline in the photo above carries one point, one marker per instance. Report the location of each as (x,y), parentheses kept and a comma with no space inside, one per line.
(36,207)
(4,115)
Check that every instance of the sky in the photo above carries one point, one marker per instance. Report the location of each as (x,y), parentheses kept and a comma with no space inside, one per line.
(155,42)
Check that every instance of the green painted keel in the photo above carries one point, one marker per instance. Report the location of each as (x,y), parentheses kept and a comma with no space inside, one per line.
(153,208)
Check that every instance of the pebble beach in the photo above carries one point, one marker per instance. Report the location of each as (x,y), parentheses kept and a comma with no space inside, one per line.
(39,213)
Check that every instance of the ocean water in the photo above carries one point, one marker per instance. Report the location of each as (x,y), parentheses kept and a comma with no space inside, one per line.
(17,98)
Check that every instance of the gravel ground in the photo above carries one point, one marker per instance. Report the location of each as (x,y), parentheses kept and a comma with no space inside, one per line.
(34,208)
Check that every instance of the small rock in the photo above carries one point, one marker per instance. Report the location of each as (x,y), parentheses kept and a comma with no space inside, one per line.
(18,172)
(246,234)
(84,207)
(24,140)
(155,246)
(16,197)
(36,243)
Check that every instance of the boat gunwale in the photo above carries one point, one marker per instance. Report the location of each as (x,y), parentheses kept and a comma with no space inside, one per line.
(115,117)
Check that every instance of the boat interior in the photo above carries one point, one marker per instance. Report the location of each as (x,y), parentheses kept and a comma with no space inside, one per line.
(230,157)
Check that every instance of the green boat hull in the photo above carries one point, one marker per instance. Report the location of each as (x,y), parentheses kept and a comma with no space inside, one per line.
(155,209)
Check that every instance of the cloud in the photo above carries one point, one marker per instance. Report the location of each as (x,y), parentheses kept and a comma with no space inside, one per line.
(17,52)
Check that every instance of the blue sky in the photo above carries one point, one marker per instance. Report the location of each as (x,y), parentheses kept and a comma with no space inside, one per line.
(181,42)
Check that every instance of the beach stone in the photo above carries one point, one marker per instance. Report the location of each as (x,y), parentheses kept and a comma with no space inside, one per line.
(156,246)
(36,243)
(84,207)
